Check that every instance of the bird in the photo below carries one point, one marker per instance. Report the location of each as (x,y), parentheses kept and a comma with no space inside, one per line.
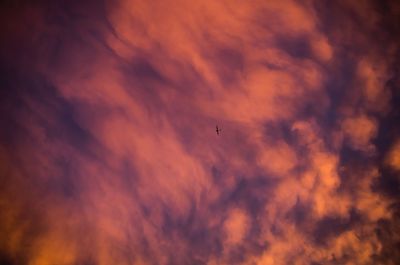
(217,130)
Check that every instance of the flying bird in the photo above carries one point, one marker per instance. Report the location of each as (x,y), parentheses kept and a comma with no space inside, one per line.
(218,130)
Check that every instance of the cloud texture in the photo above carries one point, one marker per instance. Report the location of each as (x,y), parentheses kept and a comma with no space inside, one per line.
(108,150)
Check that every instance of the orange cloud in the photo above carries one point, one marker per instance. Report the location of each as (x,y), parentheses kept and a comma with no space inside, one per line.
(360,131)
(109,153)
(393,157)
(236,226)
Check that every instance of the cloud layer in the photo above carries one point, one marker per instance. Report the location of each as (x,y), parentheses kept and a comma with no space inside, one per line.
(108,150)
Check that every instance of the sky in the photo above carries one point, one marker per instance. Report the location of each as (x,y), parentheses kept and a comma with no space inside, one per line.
(108,148)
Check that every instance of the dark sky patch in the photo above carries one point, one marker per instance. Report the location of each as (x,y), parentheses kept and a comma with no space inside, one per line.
(330,227)
(297,47)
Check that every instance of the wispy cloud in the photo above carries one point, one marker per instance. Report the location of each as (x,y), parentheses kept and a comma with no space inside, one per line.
(108,149)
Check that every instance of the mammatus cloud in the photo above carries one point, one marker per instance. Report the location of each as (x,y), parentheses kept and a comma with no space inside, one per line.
(108,152)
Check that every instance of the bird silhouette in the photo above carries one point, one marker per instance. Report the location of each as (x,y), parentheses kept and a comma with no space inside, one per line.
(217,130)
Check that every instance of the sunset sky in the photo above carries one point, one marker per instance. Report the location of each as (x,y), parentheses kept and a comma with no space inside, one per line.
(108,148)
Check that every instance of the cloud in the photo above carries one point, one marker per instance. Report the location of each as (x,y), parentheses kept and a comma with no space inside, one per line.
(360,131)
(108,150)
(393,157)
